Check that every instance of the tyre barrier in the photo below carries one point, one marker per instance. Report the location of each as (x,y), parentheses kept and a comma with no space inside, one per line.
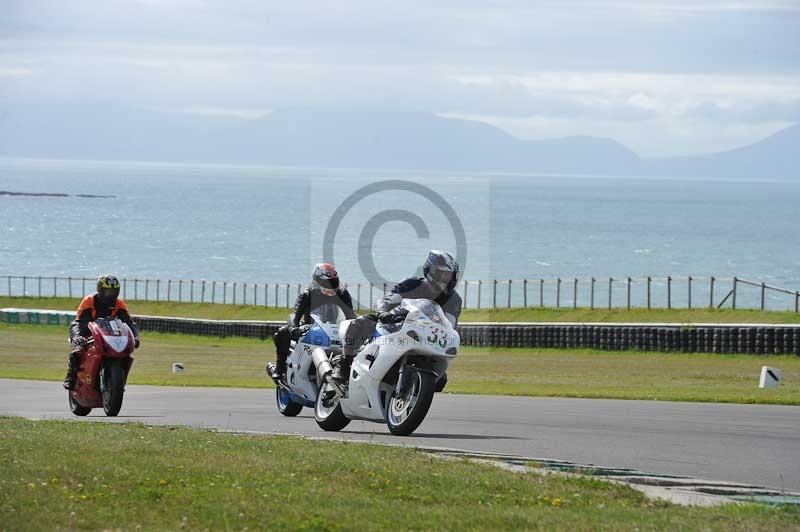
(760,339)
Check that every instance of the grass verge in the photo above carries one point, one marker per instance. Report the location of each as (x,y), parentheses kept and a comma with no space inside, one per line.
(172,478)
(241,312)
(39,352)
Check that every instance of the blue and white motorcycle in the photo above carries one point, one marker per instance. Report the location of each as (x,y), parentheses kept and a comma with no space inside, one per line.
(393,377)
(301,385)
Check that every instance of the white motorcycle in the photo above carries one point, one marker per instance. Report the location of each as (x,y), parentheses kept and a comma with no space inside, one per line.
(393,376)
(301,385)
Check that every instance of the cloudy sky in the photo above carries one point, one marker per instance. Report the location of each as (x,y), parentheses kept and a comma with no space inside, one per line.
(663,77)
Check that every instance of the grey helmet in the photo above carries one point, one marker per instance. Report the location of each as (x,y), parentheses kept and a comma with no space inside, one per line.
(441,270)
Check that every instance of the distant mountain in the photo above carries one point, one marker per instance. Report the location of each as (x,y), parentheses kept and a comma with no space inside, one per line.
(349,139)
(775,157)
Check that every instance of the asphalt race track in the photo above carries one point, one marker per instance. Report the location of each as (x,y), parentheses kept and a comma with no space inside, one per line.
(753,444)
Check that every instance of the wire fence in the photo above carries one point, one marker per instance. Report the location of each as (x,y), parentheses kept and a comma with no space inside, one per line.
(594,293)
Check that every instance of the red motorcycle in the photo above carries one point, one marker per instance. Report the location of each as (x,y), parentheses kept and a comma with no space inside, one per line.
(104,368)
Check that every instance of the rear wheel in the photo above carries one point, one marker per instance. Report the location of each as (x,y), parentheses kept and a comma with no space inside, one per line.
(328,411)
(404,414)
(113,386)
(286,406)
(77,409)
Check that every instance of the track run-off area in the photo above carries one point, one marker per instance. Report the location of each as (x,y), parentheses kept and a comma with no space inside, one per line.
(758,445)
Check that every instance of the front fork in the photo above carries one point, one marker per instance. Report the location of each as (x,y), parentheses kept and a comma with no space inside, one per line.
(406,378)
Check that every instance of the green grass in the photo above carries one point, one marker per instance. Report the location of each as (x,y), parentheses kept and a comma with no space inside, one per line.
(82,475)
(39,352)
(241,312)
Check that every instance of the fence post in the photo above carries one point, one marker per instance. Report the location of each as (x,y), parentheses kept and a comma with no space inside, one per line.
(124,288)
(509,294)
(629,293)
(541,293)
(763,293)
(40,286)
(191,290)
(224,292)
(690,291)
(287,295)
(8,278)
(180,290)
(649,280)
(610,282)
(276,295)
(711,293)
(358,296)
(203,291)
(558,293)
(797,301)
(465,293)
(244,294)
(158,289)
(575,293)
(669,291)
(234,294)
(24,283)
(266,295)
(479,293)
(371,301)
(136,289)
(592,301)
(55,287)
(169,289)
(69,287)
(494,294)
(733,301)
(524,293)
(146,288)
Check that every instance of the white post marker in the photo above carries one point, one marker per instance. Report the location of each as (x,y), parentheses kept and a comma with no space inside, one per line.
(178,367)
(770,377)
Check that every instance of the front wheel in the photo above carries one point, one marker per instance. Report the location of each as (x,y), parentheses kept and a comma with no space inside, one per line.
(404,414)
(76,408)
(286,406)
(328,411)
(113,387)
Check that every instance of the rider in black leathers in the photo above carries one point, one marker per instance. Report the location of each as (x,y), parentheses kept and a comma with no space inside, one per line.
(324,289)
(441,275)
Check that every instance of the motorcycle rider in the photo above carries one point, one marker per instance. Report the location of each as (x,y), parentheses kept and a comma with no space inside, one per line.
(105,303)
(323,289)
(438,284)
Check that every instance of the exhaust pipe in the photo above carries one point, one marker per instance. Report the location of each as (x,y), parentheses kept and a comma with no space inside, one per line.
(324,370)
(322,363)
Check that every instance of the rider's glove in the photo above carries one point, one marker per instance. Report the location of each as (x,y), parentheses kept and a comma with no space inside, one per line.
(136,342)
(299,332)
(386,317)
(78,342)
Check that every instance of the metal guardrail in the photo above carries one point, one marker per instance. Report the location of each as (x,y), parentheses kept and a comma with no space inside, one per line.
(629,292)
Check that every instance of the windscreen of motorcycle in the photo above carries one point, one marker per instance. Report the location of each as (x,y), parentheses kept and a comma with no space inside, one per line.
(430,309)
(114,333)
(328,313)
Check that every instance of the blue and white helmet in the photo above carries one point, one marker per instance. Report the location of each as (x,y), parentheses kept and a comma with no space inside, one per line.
(441,270)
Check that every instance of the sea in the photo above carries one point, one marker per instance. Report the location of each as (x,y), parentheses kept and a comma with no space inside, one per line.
(264,225)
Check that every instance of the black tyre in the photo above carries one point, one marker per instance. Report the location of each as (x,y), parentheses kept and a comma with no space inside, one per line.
(113,386)
(77,409)
(328,411)
(286,406)
(404,414)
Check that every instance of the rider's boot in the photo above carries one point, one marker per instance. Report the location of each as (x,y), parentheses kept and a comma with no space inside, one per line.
(341,369)
(279,369)
(72,371)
